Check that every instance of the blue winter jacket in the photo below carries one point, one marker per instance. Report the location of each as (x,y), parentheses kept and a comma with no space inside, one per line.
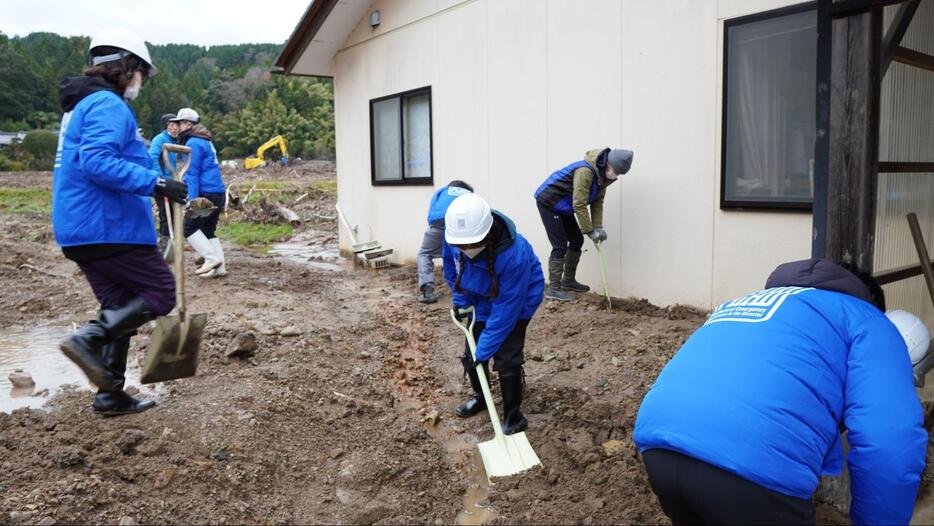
(441,200)
(764,388)
(155,151)
(520,278)
(102,176)
(204,172)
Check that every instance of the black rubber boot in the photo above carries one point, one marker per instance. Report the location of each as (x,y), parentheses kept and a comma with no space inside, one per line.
(427,294)
(554,290)
(85,346)
(511,385)
(569,280)
(476,404)
(116,402)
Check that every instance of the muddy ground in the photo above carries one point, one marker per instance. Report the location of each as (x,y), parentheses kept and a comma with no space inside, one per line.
(342,414)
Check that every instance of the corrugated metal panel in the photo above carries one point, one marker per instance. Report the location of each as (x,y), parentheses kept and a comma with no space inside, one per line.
(907,134)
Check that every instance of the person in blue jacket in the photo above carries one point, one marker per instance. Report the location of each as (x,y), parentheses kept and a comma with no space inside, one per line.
(492,268)
(743,421)
(570,202)
(167,136)
(434,237)
(204,180)
(101,213)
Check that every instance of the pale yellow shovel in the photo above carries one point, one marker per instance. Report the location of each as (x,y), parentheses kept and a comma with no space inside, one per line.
(606,288)
(506,454)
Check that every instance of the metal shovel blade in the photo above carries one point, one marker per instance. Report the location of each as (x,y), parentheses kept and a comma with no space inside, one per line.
(507,456)
(173,348)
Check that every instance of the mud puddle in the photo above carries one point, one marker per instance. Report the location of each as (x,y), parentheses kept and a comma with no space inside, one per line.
(457,445)
(35,351)
(315,256)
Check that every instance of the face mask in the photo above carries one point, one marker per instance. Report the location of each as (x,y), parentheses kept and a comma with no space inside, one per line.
(611,176)
(472,252)
(132,91)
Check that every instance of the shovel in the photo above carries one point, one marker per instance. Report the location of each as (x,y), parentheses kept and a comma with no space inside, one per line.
(504,455)
(606,288)
(174,344)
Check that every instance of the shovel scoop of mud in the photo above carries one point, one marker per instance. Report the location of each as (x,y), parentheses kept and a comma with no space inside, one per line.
(173,348)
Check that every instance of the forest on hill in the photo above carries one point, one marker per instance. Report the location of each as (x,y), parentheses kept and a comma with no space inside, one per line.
(231,86)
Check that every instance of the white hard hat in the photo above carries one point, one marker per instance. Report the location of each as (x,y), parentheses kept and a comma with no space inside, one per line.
(186,114)
(467,221)
(914,332)
(125,40)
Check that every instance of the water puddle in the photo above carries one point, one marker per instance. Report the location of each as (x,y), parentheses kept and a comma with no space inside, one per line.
(35,351)
(310,254)
(476,509)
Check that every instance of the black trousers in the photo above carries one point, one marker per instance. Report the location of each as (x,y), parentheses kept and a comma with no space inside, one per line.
(563,232)
(207,224)
(695,492)
(510,354)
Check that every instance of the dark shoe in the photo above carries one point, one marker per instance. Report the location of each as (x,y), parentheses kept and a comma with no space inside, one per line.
(116,403)
(86,346)
(555,273)
(427,294)
(471,407)
(511,386)
(569,279)
(114,355)
(477,404)
(83,348)
(555,293)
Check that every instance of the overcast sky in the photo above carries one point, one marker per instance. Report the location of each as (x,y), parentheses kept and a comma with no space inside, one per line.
(204,22)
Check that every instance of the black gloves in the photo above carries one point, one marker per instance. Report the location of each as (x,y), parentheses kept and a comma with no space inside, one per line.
(174,190)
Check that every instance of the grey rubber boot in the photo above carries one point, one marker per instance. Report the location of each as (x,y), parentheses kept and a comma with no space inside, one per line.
(569,281)
(554,290)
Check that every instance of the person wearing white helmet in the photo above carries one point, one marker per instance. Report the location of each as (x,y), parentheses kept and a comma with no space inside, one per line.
(492,268)
(101,213)
(204,180)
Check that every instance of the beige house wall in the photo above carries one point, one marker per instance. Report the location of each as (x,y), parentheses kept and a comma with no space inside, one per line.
(522,87)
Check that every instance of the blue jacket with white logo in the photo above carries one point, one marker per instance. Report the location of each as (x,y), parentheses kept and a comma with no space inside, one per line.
(204,172)
(102,176)
(763,389)
(441,200)
(518,273)
(155,151)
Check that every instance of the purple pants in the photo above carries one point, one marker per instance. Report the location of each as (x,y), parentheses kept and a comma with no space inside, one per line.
(139,272)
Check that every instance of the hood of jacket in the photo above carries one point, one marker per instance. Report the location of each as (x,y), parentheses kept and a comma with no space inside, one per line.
(597,159)
(820,274)
(504,231)
(72,89)
(198,130)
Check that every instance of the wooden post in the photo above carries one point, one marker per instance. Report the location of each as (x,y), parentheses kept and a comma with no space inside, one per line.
(822,137)
(854,138)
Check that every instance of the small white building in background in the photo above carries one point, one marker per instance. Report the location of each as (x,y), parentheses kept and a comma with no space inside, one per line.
(715,97)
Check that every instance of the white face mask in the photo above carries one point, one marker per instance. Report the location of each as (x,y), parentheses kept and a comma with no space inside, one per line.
(132,90)
(611,175)
(472,252)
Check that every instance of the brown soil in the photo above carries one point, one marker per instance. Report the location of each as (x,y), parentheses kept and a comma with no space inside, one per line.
(336,424)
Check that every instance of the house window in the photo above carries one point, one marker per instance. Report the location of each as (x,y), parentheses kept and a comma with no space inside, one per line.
(400,138)
(769,92)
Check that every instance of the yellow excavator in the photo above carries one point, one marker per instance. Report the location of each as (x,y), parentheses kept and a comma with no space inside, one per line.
(257,161)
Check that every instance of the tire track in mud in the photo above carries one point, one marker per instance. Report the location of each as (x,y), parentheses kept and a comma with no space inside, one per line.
(415,387)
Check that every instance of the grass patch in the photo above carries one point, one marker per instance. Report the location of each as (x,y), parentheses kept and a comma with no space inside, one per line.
(329,187)
(25,200)
(256,235)
(273,186)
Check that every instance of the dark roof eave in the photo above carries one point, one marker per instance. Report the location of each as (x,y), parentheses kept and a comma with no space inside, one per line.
(314,17)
